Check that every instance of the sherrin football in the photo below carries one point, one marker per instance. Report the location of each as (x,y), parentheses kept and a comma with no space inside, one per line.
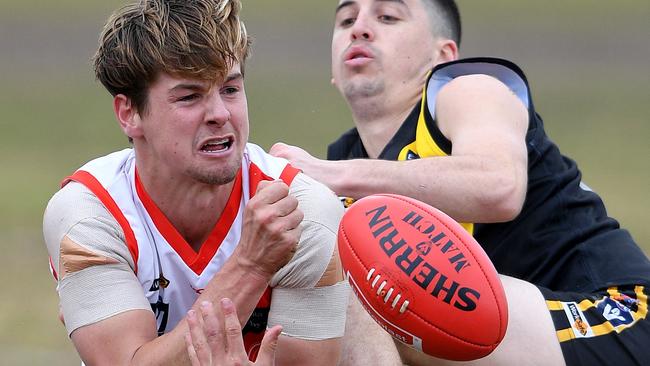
(422,277)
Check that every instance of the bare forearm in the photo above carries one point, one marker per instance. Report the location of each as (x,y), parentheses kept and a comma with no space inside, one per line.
(244,287)
(470,189)
(295,352)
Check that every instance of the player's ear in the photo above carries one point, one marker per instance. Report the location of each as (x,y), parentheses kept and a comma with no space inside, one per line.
(127,116)
(447,50)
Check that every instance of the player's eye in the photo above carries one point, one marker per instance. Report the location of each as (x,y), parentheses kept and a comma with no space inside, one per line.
(388,19)
(346,22)
(188,97)
(229,90)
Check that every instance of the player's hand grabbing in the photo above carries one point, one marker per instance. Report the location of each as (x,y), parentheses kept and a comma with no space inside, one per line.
(215,338)
(319,169)
(298,157)
(271,229)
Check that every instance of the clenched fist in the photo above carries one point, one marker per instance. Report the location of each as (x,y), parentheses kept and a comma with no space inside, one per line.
(271,229)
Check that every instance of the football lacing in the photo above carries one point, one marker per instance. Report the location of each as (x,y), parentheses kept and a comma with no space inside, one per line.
(390,291)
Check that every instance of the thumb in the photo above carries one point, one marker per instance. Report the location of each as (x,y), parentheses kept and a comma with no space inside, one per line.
(266,356)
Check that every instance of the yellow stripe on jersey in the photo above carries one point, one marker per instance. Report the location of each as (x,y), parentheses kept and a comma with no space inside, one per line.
(585,305)
(554,305)
(565,335)
(425,146)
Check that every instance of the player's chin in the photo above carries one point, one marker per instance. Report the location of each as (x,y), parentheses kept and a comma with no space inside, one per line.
(216,175)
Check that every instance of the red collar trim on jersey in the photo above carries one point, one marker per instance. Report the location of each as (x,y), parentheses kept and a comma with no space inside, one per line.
(257,175)
(195,261)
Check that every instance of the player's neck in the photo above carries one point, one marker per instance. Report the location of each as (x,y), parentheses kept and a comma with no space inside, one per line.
(192,208)
(378,120)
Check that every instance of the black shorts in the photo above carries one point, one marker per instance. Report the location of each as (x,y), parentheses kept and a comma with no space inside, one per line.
(603,328)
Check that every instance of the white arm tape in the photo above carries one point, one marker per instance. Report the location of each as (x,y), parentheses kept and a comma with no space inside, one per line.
(310,313)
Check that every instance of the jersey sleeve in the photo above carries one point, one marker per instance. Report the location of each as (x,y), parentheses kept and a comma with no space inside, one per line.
(95,271)
(505,71)
(309,297)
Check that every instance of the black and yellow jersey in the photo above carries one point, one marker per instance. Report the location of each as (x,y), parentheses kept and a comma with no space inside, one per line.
(563,238)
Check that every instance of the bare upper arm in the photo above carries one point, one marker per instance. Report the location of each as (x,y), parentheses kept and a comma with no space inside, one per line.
(479,111)
(96,278)
(115,340)
(486,121)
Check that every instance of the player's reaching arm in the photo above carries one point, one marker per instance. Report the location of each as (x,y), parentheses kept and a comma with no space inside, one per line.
(486,171)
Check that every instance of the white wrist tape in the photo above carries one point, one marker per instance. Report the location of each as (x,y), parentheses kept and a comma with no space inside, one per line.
(312,314)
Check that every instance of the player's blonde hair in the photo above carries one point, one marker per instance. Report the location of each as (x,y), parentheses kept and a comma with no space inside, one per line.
(187,38)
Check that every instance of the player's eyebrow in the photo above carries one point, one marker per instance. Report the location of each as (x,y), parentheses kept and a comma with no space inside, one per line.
(201,86)
(345,4)
(233,76)
(188,86)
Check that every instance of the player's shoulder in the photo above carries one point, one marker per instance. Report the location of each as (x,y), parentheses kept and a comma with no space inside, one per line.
(481,76)
(72,206)
(74,199)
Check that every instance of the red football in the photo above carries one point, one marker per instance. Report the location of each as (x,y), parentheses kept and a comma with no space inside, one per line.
(422,277)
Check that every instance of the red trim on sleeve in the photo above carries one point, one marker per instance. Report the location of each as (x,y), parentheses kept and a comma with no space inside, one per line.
(195,261)
(93,184)
(56,277)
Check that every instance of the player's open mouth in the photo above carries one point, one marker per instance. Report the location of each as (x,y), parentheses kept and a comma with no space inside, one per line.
(215,146)
(357,56)
(357,52)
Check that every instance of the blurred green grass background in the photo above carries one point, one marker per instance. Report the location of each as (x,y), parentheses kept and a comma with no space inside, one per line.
(588,63)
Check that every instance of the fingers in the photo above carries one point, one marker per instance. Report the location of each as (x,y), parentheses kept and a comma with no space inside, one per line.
(280,190)
(279,149)
(213,330)
(266,355)
(216,336)
(194,359)
(274,195)
(271,229)
(233,332)
(197,345)
(274,207)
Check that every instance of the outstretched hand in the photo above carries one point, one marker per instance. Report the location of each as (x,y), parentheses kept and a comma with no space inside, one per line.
(327,172)
(300,159)
(215,338)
